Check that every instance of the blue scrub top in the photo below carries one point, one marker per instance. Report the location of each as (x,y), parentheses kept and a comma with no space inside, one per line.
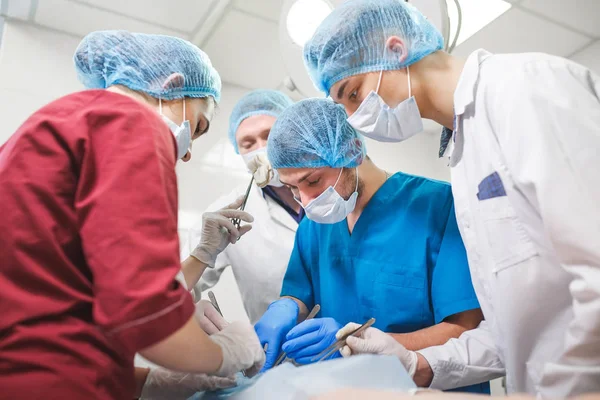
(404,264)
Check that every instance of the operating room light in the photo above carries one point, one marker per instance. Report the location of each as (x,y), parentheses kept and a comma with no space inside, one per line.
(304,17)
(476,14)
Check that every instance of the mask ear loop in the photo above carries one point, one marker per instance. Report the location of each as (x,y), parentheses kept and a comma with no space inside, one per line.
(182,123)
(160,106)
(339,176)
(356,190)
(409,84)
(379,82)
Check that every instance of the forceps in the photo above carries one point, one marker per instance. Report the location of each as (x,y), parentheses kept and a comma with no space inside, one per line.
(213,301)
(236,221)
(312,314)
(340,343)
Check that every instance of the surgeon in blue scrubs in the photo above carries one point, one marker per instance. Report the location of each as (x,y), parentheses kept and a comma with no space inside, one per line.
(374,244)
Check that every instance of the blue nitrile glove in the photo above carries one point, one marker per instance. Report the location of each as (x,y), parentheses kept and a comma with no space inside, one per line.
(311,337)
(276,322)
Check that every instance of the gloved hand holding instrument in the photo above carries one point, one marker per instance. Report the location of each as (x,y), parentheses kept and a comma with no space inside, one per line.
(374,341)
(219,230)
(237,221)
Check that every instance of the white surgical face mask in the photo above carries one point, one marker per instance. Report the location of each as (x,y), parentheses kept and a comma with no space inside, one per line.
(330,207)
(248,157)
(182,133)
(376,120)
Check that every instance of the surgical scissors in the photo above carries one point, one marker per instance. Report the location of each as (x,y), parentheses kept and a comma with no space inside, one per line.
(340,343)
(213,301)
(311,315)
(237,221)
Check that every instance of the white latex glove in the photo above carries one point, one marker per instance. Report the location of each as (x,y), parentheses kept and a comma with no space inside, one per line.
(218,231)
(261,169)
(374,341)
(241,349)
(209,318)
(162,384)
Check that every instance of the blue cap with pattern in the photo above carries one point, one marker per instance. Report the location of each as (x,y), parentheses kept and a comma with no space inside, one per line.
(161,66)
(315,133)
(352,40)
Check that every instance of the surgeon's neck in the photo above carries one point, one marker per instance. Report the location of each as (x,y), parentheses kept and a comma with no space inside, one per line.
(434,80)
(286,195)
(372,178)
(138,96)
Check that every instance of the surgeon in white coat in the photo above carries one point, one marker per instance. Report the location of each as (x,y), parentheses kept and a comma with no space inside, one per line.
(523,142)
(260,258)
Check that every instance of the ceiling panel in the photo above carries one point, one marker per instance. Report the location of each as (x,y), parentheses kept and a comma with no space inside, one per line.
(590,57)
(270,9)
(80,19)
(245,51)
(581,15)
(179,15)
(18,9)
(519,31)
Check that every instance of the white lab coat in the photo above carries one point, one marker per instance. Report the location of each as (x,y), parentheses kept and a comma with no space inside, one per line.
(534,253)
(260,258)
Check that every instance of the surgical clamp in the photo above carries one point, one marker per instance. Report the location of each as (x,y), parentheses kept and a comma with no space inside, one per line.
(312,314)
(340,343)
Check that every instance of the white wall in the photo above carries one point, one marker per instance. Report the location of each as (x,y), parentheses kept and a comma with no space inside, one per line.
(35,68)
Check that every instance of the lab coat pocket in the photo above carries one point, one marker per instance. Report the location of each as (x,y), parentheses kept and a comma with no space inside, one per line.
(509,244)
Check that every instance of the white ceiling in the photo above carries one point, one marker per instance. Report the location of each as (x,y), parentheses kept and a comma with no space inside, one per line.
(241,36)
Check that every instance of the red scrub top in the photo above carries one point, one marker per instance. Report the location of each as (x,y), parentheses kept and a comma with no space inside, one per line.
(88,247)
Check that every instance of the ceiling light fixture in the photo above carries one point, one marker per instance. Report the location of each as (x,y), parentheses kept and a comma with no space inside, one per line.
(304,17)
(476,14)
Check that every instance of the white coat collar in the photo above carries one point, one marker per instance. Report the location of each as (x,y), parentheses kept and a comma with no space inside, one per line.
(464,94)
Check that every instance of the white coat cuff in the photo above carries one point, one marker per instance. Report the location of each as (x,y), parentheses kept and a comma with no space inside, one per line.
(446,374)
(180,277)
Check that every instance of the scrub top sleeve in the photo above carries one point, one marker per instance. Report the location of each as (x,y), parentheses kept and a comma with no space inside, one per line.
(451,286)
(126,204)
(297,282)
(549,140)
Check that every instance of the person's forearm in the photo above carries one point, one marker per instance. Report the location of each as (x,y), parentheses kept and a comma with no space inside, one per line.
(451,327)
(192,271)
(188,350)
(141,374)
(432,336)
(303,310)
(423,373)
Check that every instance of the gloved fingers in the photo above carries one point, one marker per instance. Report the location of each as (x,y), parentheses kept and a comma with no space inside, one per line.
(235,235)
(345,351)
(235,205)
(350,327)
(256,368)
(210,319)
(311,358)
(272,353)
(205,323)
(244,229)
(217,382)
(227,228)
(293,346)
(310,350)
(304,328)
(242,215)
(359,346)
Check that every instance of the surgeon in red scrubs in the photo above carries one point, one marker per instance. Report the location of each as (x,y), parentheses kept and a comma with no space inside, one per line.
(88,243)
